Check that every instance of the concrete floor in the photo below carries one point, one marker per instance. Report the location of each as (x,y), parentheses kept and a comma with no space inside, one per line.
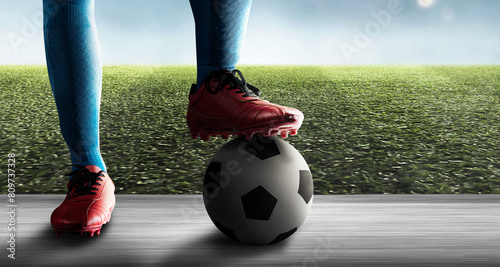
(341,230)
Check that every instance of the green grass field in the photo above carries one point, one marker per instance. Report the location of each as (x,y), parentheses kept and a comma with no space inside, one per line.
(367,129)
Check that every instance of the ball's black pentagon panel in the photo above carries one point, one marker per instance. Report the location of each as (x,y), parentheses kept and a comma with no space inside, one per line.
(262,147)
(283,236)
(212,177)
(306,188)
(228,232)
(258,204)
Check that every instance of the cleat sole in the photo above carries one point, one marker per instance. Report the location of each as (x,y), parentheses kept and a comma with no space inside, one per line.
(96,232)
(278,129)
(194,134)
(80,231)
(90,232)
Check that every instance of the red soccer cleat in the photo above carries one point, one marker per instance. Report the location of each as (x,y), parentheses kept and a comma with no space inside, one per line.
(88,204)
(225,105)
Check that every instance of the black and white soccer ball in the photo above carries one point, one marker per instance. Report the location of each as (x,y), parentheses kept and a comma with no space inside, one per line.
(258,191)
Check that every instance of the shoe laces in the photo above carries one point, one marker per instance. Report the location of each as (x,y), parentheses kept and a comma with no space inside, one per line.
(235,83)
(83,181)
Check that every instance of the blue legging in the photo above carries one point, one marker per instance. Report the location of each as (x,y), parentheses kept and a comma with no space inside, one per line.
(220,30)
(75,70)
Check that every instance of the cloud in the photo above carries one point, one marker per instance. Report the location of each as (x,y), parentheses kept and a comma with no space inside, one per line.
(279,32)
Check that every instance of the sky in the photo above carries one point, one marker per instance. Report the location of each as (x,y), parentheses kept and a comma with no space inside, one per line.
(312,32)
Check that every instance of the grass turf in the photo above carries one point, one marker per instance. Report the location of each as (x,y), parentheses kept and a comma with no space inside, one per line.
(368,129)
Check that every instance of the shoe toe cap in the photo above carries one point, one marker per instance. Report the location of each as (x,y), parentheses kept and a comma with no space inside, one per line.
(80,216)
(279,114)
(98,214)
(69,218)
(293,114)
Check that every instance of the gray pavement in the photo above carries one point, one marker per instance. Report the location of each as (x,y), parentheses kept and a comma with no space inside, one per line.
(341,230)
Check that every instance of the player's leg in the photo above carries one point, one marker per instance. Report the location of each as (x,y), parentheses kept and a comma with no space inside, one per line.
(75,73)
(220,32)
(232,106)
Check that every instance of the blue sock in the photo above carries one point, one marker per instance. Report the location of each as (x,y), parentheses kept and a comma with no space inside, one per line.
(75,73)
(220,30)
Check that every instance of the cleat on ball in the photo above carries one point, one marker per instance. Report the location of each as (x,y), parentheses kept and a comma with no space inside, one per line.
(227,105)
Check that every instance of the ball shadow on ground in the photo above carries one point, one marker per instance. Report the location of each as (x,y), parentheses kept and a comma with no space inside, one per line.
(215,249)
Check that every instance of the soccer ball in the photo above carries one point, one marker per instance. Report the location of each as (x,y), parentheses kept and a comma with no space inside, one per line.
(258,191)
